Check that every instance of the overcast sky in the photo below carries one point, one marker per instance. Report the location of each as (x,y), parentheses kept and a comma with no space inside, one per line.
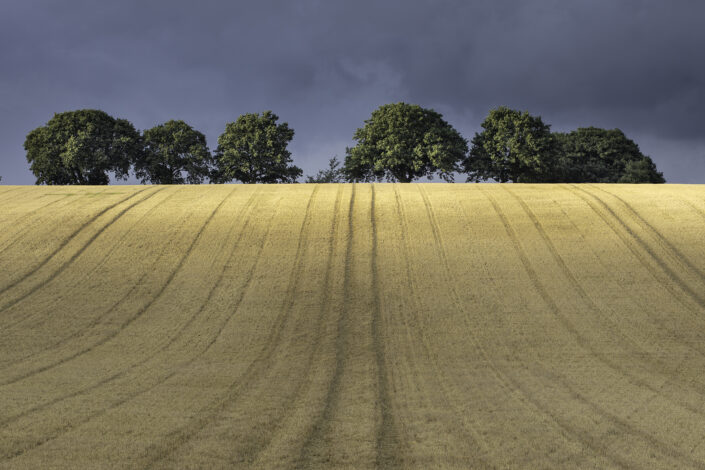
(324,66)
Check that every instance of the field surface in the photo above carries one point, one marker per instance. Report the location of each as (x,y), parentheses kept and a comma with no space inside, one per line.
(352,326)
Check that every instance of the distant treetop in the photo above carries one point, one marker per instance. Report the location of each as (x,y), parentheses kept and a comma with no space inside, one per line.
(593,155)
(399,142)
(403,142)
(81,147)
(173,153)
(253,150)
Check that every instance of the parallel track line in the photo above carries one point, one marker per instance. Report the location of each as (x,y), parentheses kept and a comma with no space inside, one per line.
(66,241)
(178,438)
(133,317)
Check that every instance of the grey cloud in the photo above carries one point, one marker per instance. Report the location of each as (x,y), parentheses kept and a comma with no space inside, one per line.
(323,66)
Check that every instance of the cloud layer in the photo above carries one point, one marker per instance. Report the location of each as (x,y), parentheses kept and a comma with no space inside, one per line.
(323,66)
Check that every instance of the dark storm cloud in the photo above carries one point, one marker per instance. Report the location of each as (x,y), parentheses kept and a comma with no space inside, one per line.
(323,66)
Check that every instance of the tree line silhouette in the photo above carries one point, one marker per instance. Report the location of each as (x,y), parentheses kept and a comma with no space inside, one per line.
(399,142)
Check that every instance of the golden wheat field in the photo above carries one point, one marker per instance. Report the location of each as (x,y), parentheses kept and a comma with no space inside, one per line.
(352,326)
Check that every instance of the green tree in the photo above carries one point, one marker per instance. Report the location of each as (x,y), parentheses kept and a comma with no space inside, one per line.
(332,174)
(174,153)
(593,155)
(402,142)
(81,147)
(253,150)
(513,146)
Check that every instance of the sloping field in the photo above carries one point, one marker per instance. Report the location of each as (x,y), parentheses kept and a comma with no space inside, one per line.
(359,326)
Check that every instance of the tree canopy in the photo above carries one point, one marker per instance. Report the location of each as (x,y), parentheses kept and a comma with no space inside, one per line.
(253,149)
(513,146)
(174,153)
(403,142)
(81,147)
(399,142)
(593,155)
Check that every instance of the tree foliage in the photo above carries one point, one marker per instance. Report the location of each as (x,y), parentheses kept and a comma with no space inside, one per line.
(593,155)
(402,142)
(253,150)
(174,153)
(81,147)
(332,174)
(513,146)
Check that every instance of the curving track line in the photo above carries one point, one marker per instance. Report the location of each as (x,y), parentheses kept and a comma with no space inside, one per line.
(595,309)
(69,426)
(76,283)
(622,425)
(175,440)
(135,316)
(513,386)
(321,425)
(132,318)
(630,240)
(695,208)
(3,200)
(251,451)
(11,239)
(697,349)
(668,248)
(88,274)
(387,433)
(572,432)
(65,241)
(73,258)
(469,434)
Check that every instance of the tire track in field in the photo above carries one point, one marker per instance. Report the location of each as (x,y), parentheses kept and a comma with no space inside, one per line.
(11,239)
(270,430)
(91,271)
(469,434)
(595,309)
(662,242)
(387,432)
(619,423)
(22,230)
(511,385)
(68,239)
(70,426)
(22,216)
(178,438)
(9,191)
(322,424)
(658,320)
(570,431)
(632,239)
(697,209)
(73,258)
(164,347)
(60,361)
(137,314)
(253,450)
(102,260)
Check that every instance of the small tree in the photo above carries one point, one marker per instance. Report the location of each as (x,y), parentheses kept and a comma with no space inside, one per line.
(171,150)
(513,146)
(253,150)
(402,142)
(593,155)
(81,147)
(332,174)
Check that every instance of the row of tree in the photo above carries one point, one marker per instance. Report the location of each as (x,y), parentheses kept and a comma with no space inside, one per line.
(84,146)
(400,142)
